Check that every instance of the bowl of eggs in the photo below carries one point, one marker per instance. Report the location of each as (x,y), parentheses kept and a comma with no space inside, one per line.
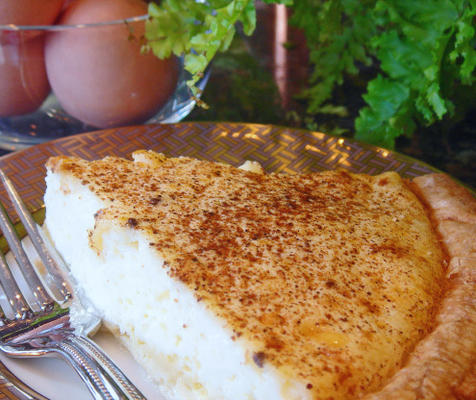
(71,66)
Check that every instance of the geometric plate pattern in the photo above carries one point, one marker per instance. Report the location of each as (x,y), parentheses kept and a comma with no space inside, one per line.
(278,149)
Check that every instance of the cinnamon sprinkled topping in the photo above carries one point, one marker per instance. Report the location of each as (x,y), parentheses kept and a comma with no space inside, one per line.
(132,223)
(258,358)
(331,278)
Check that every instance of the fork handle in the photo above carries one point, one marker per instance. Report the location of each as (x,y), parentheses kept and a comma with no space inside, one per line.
(98,355)
(99,384)
(9,382)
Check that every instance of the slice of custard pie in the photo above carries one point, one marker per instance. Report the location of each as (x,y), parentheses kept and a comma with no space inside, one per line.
(233,284)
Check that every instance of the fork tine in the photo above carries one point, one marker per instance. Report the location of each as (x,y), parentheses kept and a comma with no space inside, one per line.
(103,378)
(12,291)
(41,295)
(51,264)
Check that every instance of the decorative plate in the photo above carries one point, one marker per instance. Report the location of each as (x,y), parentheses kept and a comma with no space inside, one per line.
(278,149)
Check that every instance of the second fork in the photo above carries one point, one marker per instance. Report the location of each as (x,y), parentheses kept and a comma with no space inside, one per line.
(43,327)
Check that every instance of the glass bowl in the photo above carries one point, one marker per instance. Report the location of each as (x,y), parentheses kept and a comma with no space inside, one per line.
(58,80)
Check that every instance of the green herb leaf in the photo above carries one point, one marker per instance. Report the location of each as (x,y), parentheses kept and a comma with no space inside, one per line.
(197,30)
(424,51)
(385,118)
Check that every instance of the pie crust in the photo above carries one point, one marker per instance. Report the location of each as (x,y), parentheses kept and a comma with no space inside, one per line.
(443,365)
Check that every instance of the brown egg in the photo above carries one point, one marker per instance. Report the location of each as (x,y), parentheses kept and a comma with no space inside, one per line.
(99,75)
(29,12)
(23,81)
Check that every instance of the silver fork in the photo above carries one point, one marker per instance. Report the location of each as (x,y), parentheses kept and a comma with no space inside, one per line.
(14,386)
(41,326)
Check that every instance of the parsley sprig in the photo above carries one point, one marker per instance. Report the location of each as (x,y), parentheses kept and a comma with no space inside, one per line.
(197,30)
(426,51)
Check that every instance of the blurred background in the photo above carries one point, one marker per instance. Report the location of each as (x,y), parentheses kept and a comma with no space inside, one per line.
(261,79)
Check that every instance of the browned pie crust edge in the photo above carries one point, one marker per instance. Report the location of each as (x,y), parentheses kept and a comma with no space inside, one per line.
(443,365)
